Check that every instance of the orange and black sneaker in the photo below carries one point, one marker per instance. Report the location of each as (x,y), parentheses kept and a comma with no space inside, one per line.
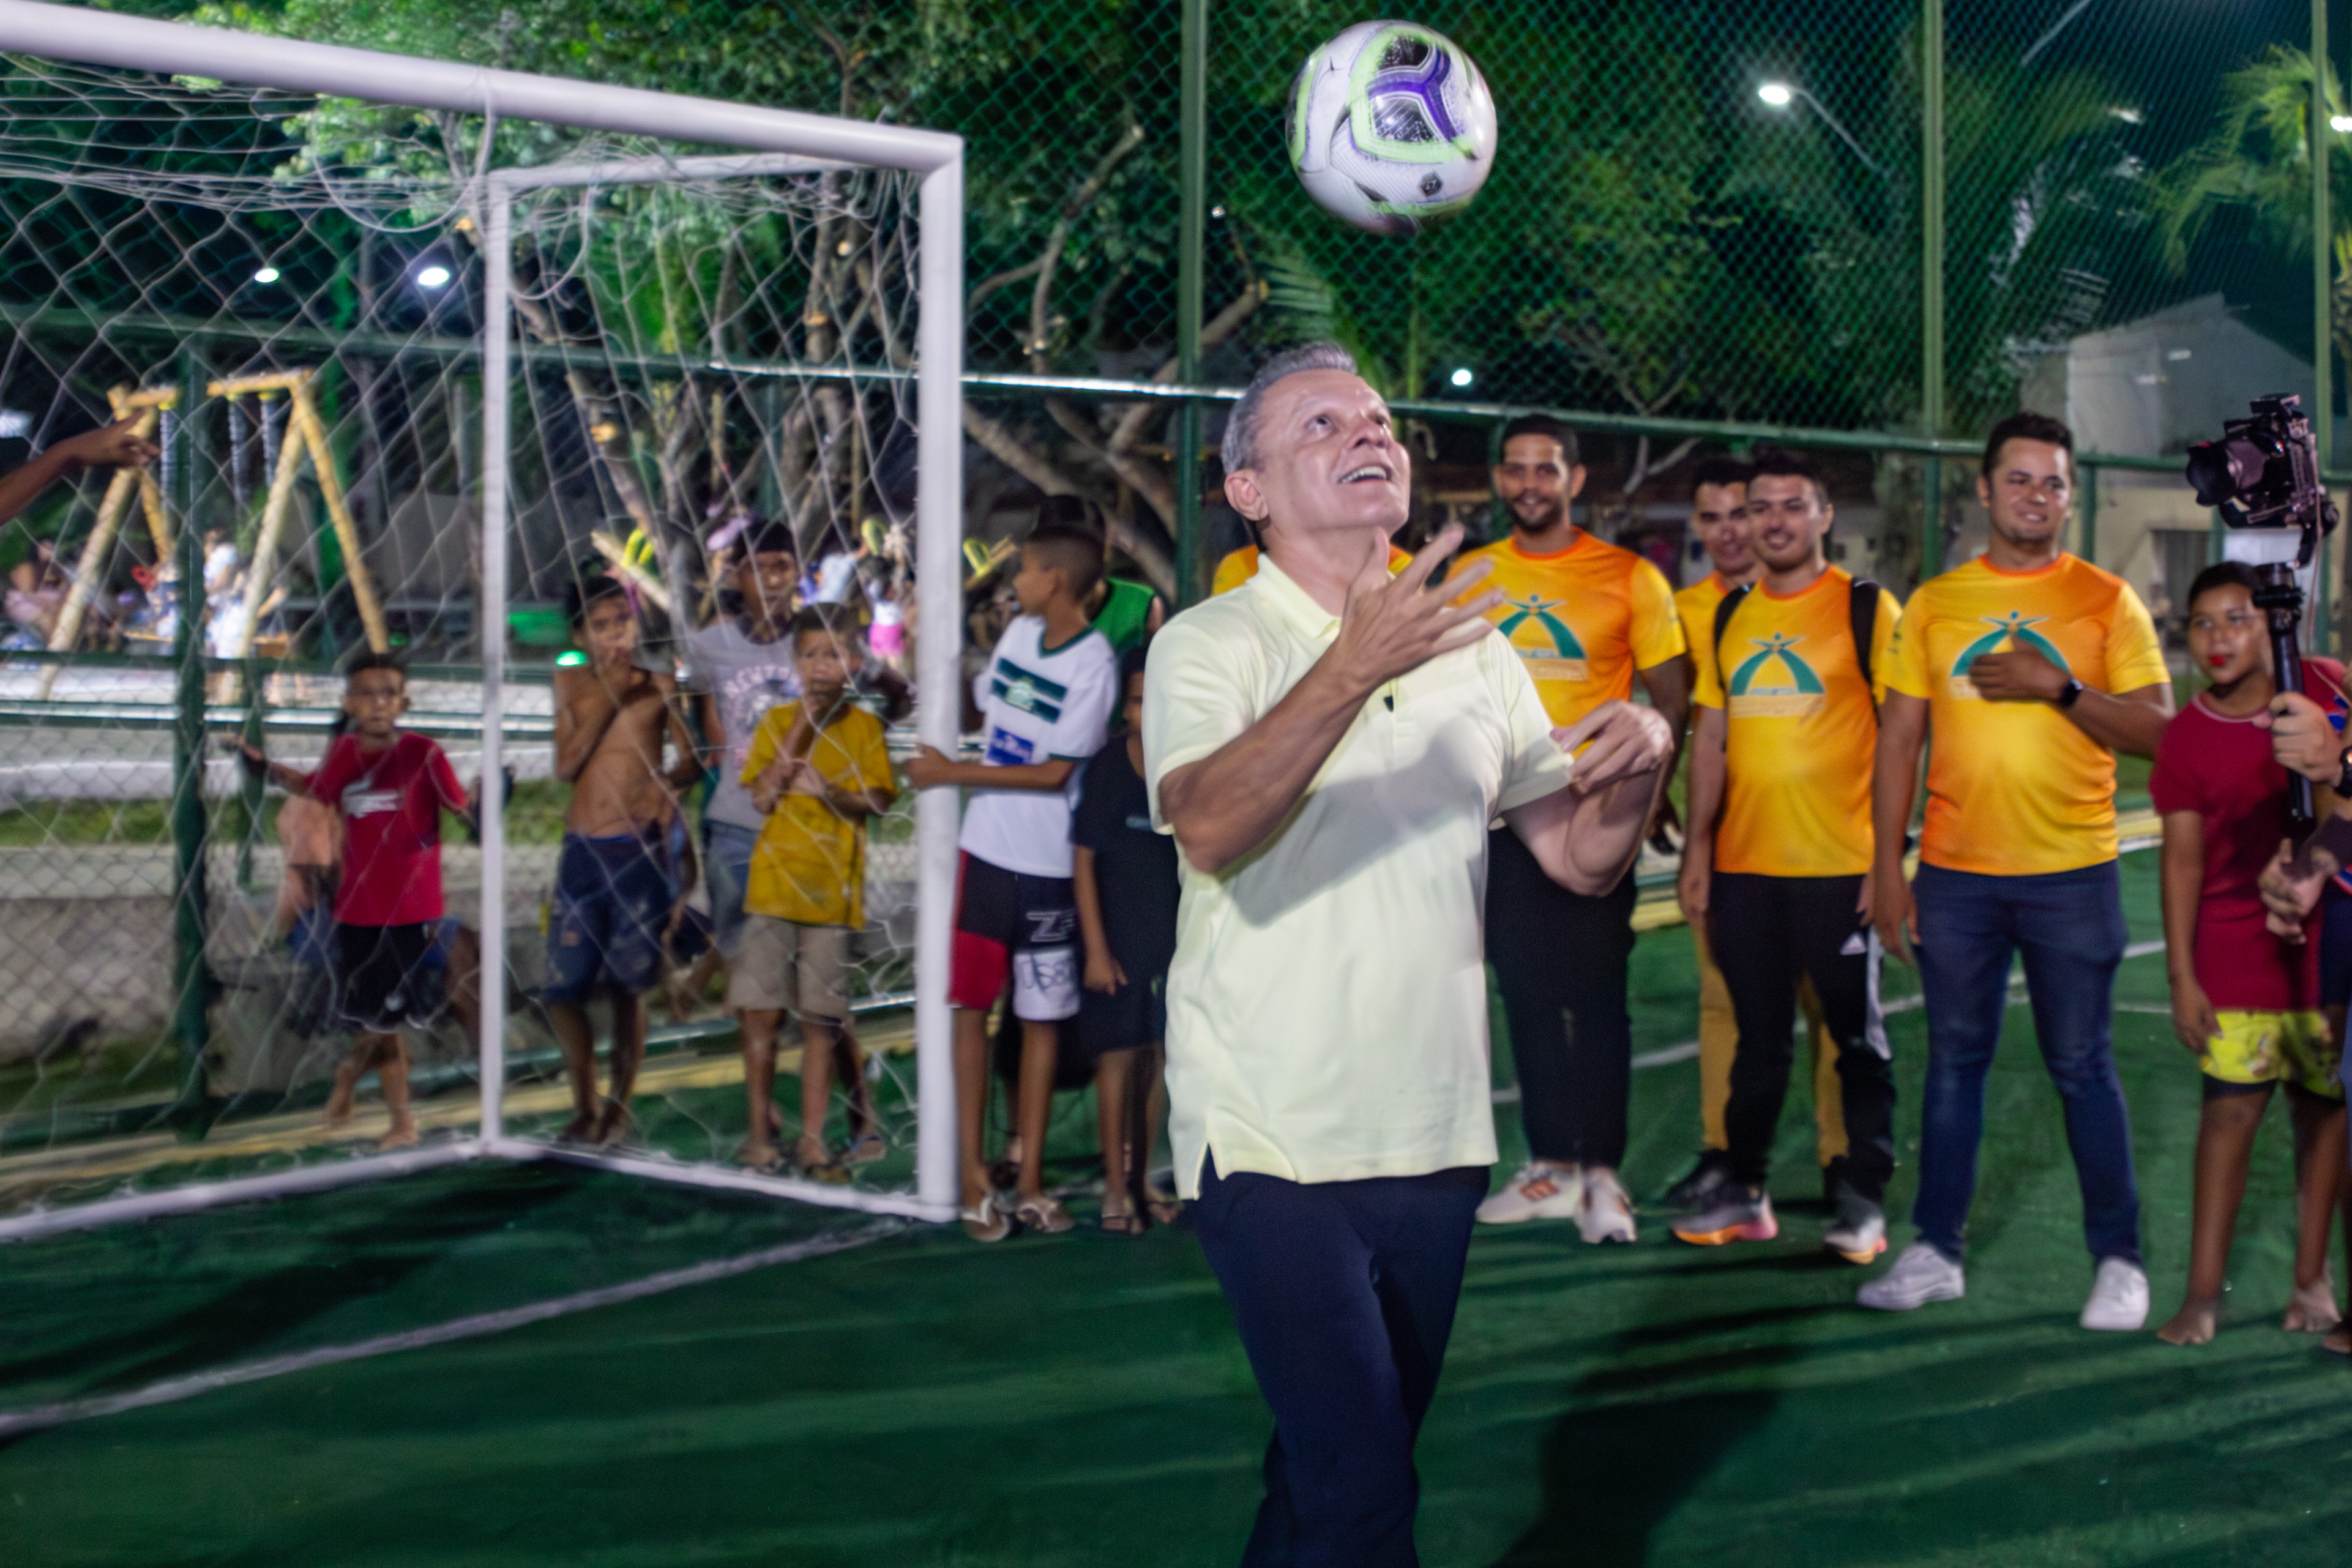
(1735,1214)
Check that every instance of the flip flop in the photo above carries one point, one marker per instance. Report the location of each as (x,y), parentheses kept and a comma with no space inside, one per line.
(986,1220)
(1043,1214)
(868,1147)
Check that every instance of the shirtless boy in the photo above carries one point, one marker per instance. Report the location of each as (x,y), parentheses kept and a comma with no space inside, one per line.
(615,885)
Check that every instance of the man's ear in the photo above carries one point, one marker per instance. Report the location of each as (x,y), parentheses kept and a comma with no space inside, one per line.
(1984,493)
(1576,481)
(1240,489)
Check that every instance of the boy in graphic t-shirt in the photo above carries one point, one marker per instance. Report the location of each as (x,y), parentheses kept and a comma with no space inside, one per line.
(2245,1001)
(390,788)
(1045,695)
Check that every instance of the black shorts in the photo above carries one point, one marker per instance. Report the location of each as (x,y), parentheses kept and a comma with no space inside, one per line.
(1009,924)
(1134,1015)
(385,977)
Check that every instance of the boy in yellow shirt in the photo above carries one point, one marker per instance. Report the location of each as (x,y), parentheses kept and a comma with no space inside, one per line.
(817,769)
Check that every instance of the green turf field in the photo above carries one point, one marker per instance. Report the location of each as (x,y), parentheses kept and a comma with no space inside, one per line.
(918,1399)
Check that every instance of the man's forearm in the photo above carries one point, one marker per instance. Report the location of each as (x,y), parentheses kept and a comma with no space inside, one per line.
(1225,805)
(22,487)
(2125,724)
(1605,830)
(1894,784)
(988,775)
(1707,776)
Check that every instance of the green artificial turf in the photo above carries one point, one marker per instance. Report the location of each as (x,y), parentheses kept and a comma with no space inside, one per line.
(1081,1400)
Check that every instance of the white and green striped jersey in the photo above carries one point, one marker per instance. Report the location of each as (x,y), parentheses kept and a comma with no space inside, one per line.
(1039,705)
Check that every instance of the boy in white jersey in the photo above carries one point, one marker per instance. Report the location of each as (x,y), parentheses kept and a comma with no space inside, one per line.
(1046,695)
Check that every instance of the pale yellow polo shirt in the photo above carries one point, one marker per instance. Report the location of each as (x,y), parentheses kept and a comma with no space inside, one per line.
(1327,1008)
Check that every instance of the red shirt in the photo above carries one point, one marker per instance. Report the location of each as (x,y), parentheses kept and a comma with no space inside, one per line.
(391,803)
(2222,769)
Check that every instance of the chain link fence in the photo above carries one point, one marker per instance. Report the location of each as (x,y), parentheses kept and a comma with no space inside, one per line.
(1709,224)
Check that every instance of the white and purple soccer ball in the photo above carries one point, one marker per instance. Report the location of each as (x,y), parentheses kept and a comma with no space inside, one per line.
(1390,127)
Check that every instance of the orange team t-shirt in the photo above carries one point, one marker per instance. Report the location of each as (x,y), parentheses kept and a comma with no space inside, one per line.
(1584,619)
(1800,729)
(2016,789)
(1696,604)
(1240,565)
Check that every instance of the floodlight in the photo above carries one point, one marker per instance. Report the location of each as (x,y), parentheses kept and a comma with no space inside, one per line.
(266,275)
(1462,377)
(433,276)
(1778,94)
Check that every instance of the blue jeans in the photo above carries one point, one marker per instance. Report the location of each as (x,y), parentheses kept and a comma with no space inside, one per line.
(1343,1295)
(2069,928)
(727,872)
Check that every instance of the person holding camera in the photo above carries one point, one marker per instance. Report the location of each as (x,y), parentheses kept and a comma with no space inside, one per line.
(2032,668)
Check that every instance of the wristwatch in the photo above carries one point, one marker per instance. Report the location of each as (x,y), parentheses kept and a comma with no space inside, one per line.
(2344,776)
(2073,689)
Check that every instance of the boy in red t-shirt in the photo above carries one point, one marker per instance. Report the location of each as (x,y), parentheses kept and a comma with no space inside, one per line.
(2245,1001)
(390,788)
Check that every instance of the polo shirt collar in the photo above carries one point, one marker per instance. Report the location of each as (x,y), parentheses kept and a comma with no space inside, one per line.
(1293,603)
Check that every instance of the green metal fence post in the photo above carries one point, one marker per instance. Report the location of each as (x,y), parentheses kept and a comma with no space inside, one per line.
(192,982)
(1191,155)
(1931,278)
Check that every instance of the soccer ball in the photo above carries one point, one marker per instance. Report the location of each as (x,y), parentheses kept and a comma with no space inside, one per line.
(1390,127)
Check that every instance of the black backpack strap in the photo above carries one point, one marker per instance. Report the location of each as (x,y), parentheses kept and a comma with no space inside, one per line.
(1862,612)
(1724,609)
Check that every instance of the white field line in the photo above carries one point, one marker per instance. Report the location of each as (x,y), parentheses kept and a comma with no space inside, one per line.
(1689,1049)
(16,1422)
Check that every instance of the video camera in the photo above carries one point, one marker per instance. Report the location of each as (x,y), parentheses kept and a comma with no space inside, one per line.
(2263,473)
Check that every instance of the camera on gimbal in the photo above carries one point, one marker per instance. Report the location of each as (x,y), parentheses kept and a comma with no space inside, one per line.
(2263,474)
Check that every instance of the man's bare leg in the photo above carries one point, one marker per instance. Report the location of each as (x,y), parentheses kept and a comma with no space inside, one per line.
(817,1042)
(1115,1124)
(465,981)
(865,1127)
(1039,1044)
(577,1037)
(2225,1147)
(759,1149)
(2319,1183)
(391,1072)
(347,1082)
(971,1100)
(629,1024)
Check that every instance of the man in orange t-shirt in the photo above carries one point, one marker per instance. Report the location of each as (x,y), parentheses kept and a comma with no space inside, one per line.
(1720,522)
(1778,858)
(2032,668)
(1586,618)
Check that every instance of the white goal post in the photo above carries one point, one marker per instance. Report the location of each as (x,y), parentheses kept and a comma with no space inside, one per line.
(769,141)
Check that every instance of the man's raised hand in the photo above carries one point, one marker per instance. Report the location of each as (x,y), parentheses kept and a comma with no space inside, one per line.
(2290,887)
(1627,738)
(2303,741)
(1393,628)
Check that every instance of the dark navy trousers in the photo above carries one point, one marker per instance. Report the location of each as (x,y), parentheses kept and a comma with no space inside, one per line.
(1343,1295)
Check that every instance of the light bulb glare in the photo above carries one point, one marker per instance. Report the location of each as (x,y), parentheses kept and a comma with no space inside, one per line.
(1462,377)
(432,277)
(1778,94)
(266,275)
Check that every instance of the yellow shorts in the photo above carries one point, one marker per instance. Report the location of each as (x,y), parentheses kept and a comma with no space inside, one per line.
(2275,1048)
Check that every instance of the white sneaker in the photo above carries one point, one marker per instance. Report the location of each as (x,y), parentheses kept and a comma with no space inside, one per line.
(2118,1301)
(1608,1214)
(1920,1276)
(1541,1191)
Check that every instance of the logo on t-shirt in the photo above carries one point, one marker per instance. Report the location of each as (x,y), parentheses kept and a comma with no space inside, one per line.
(364,800)
(2015,627)
(1775,683)
(1006,750)
(1018,688)
(1548,644)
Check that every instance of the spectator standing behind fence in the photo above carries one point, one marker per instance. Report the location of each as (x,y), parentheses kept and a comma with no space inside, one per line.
(2244,1000)
(2029,668)
(1129,885)
(1044,696)
(817,769)
(390,788)
(616,879)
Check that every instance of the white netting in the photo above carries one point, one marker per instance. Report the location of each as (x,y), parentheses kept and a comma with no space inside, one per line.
(287,291)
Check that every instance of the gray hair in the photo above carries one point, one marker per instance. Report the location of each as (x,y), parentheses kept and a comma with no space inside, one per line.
(1240,447)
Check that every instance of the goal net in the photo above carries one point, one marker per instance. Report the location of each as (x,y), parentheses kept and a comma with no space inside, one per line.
(560,400)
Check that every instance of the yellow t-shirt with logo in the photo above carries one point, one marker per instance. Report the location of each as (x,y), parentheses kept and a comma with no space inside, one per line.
(2016,789)
(1696,604)
(1800,729)
(809,865)
(1583,619)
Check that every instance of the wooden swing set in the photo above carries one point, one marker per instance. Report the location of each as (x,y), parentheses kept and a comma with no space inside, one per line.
(307,434)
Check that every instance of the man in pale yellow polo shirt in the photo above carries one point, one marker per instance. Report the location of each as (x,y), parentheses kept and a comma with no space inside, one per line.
(1329,743)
